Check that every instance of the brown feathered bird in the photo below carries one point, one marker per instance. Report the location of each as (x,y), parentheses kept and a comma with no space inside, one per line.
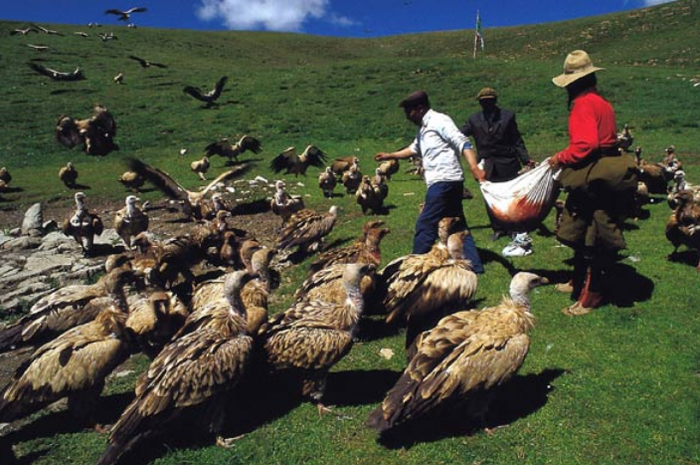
(295,164)
(426,287)
(5,175)
(352,178)
(65,308)
(225,148)
(132,180)
(342,164)
(130,221)
(210,97)
(283,204)
(369,197)
(83,225)
(683,226)
(75,75)
(388,168)
(328,285)
(461,360)
(307,230)
(312,336)
(655,177)
(191,202)
(125,15)
(154,317)
(327,182)
(200,167)
(147,63)
(68,175)
(364,250)
(188,382)
(96,133)
(74,365)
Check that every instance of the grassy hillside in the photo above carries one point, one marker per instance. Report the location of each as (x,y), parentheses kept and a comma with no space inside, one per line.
(618,386)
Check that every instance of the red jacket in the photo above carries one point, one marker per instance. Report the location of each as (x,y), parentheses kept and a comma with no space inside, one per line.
(591,127)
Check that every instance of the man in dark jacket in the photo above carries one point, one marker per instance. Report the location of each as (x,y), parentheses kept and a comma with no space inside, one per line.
(499,146)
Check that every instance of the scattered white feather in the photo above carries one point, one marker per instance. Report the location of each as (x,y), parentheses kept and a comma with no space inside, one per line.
(386,353)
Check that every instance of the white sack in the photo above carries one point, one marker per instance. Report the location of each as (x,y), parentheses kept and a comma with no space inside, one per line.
(520,205)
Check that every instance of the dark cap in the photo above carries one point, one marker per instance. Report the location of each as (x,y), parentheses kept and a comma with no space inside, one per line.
(486,92)
(418,97)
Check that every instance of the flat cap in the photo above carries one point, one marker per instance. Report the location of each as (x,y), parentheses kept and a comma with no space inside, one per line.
(486,92)
(419,97)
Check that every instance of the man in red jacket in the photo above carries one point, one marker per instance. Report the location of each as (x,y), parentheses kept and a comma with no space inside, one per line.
(600,182)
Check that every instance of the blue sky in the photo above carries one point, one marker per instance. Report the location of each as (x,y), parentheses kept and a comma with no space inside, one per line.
(344,18)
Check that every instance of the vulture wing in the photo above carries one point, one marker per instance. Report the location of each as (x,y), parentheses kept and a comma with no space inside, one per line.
(250,143)
(284,160)
(137,9)
(160,179)
(235,171)
(66,132)
(218,88)
(221,147)
(195,92)
(315,156)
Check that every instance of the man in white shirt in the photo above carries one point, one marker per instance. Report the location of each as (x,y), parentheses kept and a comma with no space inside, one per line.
(439,143)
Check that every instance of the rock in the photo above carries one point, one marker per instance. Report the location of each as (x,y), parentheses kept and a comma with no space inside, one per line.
(32,225)
(22,243)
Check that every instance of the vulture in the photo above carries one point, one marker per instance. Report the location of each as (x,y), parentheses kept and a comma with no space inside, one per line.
(283,204)
(83,225)
(461,360)
(351,178)
(65,308)
(146,63)
(189,381)
(39,48)
(191,202)
(105,36)
(224,147)
(379,183)
(75,75)
(388,168)
(74,365)
(295,164)
(341,165)
(254,294)
(46,30)
(327,285)
(306,230)
(5,175)
(200,167)
(327,182)
(683,226)
(426,287)
(369,197)
(311,336)
(119,78)
(154,317)
(625,138)
(23,32)
(126,15)
(130,221)
(654,176)
(209,98)
(97,132)
(132,180)
(364,250)
(68,175)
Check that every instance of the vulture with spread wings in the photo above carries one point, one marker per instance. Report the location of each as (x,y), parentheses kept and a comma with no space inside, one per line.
(76,75)
(146,63)
(126,15)
(297,164)
(192,203)
(209,97)
(231,151)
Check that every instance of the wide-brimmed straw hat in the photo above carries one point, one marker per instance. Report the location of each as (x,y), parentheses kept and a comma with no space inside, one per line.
(577,65)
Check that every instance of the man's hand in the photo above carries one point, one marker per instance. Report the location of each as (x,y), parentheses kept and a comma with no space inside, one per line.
(553,162)
(382,156)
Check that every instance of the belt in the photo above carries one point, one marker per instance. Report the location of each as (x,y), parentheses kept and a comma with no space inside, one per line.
(612,151)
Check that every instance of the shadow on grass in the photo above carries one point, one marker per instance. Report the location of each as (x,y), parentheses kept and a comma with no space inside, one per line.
(686,257)
(517,399)
(358,387)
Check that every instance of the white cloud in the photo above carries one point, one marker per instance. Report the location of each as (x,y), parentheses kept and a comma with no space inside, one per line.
(272,15)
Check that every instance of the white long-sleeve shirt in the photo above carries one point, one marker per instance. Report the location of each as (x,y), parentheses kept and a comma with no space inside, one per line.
(440,143)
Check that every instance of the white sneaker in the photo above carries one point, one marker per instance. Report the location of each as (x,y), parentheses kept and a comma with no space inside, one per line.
(514,250)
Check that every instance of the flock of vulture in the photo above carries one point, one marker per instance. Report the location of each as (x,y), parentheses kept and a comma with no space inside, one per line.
(197,304)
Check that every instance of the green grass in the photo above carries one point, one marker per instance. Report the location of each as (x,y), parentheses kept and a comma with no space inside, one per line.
(623,382)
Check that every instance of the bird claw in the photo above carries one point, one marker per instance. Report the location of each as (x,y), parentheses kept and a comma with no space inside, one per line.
(103,429)
(323,409)
(227,443)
